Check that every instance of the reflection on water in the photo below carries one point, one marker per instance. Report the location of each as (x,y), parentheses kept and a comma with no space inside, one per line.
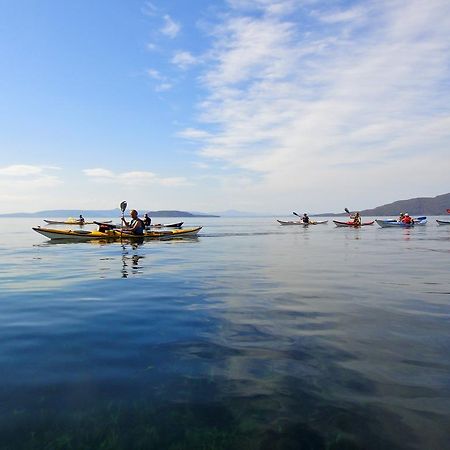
(302,338)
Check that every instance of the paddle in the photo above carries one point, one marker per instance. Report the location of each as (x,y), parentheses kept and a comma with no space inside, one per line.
(123,207)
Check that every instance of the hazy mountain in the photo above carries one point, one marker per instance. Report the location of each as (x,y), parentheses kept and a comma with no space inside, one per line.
(93,213)
(431,206)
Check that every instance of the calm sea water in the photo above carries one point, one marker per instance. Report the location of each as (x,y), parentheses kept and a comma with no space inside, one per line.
(251,336)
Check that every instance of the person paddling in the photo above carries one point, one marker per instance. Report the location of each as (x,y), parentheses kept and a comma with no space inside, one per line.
(407,219)
(305,218)
(357,219)
(81,220)
(136,225)
(147,220)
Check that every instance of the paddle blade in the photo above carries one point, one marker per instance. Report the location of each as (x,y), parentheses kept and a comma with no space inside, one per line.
(295,214)
(123,206)
(346,210)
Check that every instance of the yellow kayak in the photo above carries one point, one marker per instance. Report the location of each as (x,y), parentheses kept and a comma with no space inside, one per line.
(114,234)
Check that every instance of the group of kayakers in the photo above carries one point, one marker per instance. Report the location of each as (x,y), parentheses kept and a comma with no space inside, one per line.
(355,218)
(137,225)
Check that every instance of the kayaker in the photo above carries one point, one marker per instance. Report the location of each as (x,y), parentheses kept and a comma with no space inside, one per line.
(400,217)
(305,218)
(357,219)
(147,220)
(407,219)
(136,225)
(81,220)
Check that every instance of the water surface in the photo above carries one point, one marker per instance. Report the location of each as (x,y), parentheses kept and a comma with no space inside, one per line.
(250,336)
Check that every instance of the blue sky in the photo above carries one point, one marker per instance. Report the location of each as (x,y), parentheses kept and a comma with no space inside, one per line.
(255,105)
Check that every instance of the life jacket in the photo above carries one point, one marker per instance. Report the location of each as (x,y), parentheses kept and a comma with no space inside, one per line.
(407,220)
(140,228)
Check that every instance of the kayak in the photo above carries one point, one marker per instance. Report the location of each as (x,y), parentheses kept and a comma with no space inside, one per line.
(72,222)
(113,234)
(416,219)
(352,224)
(395,224)
(443,222)
(166,225)
(299,222)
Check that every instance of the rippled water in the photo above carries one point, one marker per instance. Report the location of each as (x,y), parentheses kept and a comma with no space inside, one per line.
(251,336)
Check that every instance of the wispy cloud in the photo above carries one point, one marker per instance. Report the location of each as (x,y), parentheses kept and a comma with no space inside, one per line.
(24,170)
(163,84)
(184,59)
(99,173)
(322,98)
(22,182)
(134,178)
(149,9)
(170,27)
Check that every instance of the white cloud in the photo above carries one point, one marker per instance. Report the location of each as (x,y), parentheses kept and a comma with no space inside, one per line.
(20,170)
(201,165)
(24,184)
(326,103)
(149,9)
(163,84)
(192,133)
(170,28)
(345,15)
(276,7)
(134,178)
(163,87)
(183,59)
(98,173)
(153,73)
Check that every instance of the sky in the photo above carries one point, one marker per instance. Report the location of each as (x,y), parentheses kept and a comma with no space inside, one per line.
(263,106)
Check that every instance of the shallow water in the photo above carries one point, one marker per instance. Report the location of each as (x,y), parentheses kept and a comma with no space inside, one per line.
(250,336)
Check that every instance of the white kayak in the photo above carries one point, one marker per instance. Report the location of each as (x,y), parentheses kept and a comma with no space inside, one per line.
(165,225)
(443,222)
(299,222)
(72,222)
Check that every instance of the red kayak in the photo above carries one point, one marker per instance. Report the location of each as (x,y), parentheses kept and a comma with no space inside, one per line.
(352,224)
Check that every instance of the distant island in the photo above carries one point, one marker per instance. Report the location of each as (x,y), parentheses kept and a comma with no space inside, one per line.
(431,206)
(102,213)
